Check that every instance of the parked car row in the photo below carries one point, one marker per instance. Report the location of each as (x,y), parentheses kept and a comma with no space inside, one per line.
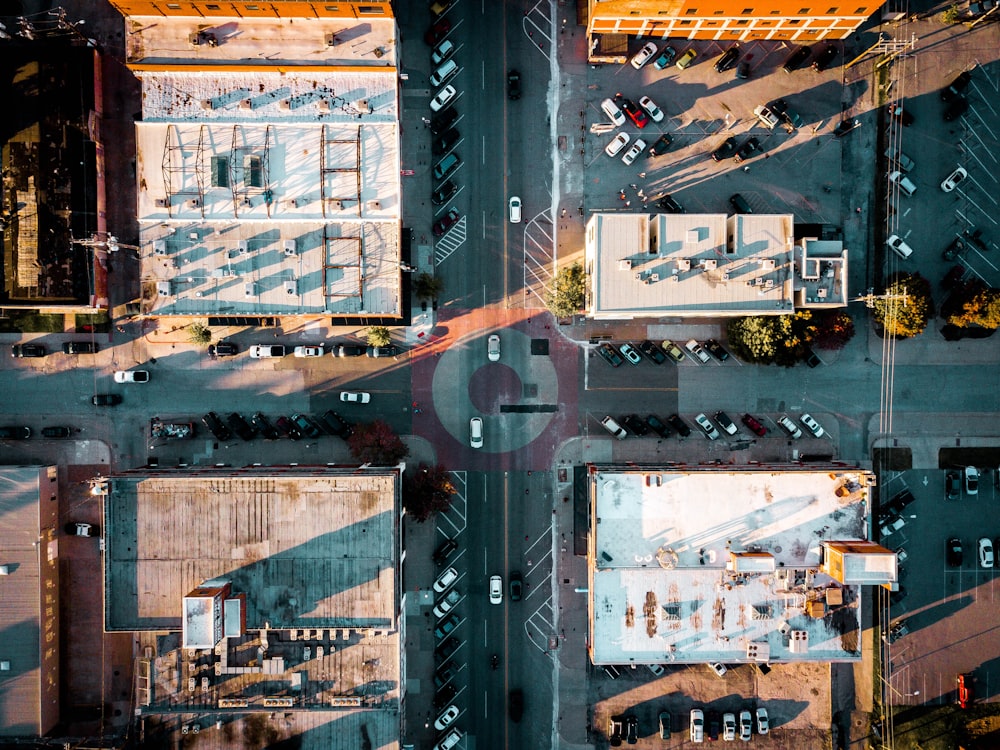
(295,427)
(276,351)
(21,351)
(633,424)
(20,432)
(728,724)
(616,355)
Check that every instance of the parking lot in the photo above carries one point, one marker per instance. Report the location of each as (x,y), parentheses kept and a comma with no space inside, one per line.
(948,609)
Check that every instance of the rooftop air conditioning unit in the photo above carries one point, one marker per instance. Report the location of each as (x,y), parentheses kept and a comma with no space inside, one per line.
(285,105)
(289,248)
(160,202)
(246,104)
(290,287)
(243,246)
(207,104)
(624,264)
(364,106)
(195,203)
(248,289)
(324,105)
(163,288)
(160,247)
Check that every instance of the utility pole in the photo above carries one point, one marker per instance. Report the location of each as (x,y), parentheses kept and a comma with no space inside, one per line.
(870,297)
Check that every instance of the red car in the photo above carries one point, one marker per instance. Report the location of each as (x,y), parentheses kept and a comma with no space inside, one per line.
(437,32)
(964,690)
(754,425)
(636,115)
(446,222)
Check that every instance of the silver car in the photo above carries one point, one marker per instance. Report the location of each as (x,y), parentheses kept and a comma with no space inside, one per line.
(707,426)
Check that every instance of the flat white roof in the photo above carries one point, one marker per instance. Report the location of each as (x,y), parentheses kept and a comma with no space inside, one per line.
(660,544)
(689,264)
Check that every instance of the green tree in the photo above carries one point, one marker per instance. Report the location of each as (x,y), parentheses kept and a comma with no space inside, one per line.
(905,307)
(949,15)
(378,336)
(199,333)
(771,339)
(981,307)
(376,443)
(427,287)
(834,328)
(427,490)
(567,291)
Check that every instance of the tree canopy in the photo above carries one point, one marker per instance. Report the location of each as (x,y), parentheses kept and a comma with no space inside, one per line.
(905,307)
(199,333)
(974,305)
(567,291)
(376,443)
(427,490)
(378,336)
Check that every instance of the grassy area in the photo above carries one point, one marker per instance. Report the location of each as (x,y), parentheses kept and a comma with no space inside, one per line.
(32,322)
(93,322)
(947,727)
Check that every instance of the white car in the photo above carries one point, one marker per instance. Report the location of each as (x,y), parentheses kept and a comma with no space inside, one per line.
(697,725)
(710,432)
(446,718)
(790,426)
(444,96)
(697,350)
(904,182)
(447,603)
(613,112)
(619,142)
(514,209)
(729,727)
(812,425)
(496,589)
(476,432)
(655,113)
(767,118)
(308,351)
(971,480)
(493,348)
(986,552)
(952,180)
(901,249)
(763,726)
(445,580)
(644,55)
(355,397)
(266,351)
(131,376)
(718,667)
(638,146)
(746,726)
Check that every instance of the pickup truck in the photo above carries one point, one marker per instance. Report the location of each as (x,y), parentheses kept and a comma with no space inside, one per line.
(892,526)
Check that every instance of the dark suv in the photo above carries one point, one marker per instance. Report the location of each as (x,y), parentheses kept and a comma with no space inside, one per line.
(308,427)
(15,433)
(79,347)
(443,121)
(657,426)
(337,425)
(264,427)
(287,427)
(240,426)
(444,193)
(444,550)
(216,427)
(678,424)
(28,350)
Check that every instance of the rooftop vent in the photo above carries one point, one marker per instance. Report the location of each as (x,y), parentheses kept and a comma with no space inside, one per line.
(624,264)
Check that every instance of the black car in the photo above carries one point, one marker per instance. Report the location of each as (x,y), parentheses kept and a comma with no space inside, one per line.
(348,350)
(216,427)
(958,107)
(445,142)
(678,424)
(653,352)
(240,426)
(106,399)
(635,425)
(956,248)
(444,550)
(443,121)
(15,432)
(308,427)
(824,58)
(788,115)
(795,60)
(79,347)
(952,484)
(610,354)
(631,729)
(845,127)
(223,349)
(382,351)
(739,204)
(728,59)
(956,87)
(668,204)
(903,115)
(337,425)
(515,705)
(264,427)
(56,432)
(953,552)
(288,428)
(897,504)
(444,673)
(660,146)
(441,196)
(447,648)
(657,426)
(513,84)
(713,726)
(716,349)
(516,586)
(743,70)
(28,350)
(750,147)
(445,695)
(726,150)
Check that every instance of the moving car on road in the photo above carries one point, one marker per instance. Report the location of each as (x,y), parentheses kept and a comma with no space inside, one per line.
(496,590)
(106,399)
(493,348)
(355,397)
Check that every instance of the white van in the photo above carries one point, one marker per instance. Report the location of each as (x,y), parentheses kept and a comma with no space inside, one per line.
(449,740)
(614,428)
(443,73)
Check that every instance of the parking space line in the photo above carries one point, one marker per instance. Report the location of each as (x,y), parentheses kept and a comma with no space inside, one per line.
(451,241)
